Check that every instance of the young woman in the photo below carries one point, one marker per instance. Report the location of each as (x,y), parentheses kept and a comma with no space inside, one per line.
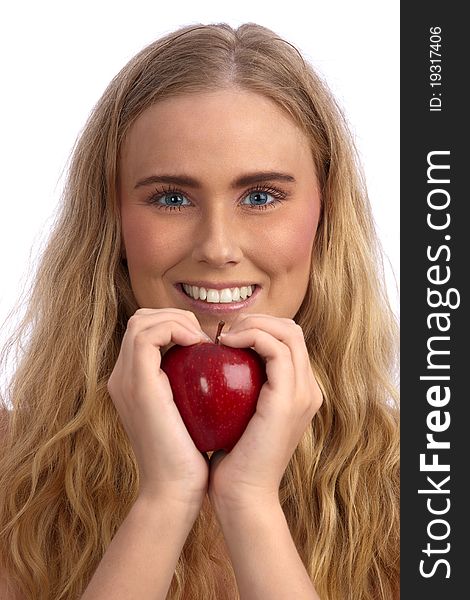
(215,160)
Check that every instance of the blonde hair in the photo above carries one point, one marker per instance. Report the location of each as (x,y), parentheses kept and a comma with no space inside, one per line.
(68,475)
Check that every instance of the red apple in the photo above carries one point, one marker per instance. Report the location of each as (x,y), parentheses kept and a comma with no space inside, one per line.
(216,389)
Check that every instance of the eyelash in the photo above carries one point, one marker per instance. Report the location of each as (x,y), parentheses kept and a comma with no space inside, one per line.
(277,194)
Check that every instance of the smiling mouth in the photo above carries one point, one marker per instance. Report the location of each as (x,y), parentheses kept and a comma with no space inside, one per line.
(213,296)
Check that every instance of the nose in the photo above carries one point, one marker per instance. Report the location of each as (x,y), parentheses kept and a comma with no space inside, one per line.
(217,240)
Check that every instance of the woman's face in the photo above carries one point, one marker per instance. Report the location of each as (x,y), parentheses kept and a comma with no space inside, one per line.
(218,191)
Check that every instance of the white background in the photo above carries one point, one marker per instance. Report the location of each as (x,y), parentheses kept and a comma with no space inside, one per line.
(56,59)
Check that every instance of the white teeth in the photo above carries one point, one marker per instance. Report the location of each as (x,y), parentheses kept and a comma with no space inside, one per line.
(219,296)
(225,295)
(212,296)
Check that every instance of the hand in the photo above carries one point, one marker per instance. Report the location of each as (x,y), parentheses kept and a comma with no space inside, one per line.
(253,469)
(170,465)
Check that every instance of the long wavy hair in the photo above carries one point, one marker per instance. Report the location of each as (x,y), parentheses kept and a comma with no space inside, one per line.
(68,475)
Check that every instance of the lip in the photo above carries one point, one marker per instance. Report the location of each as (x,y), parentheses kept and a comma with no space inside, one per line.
(214,307)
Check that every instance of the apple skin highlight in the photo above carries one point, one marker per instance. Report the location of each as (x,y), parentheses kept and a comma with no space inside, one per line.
(216,389)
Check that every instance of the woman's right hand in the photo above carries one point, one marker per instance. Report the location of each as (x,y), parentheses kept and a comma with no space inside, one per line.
(170,466)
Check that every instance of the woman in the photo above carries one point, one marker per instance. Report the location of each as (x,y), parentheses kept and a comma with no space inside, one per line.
(216,159)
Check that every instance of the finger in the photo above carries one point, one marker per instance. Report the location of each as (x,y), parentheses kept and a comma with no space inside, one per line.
(142,353)
(276,354)
(142,321)
(185,314)
(285,330)
(246,315)
(241,318)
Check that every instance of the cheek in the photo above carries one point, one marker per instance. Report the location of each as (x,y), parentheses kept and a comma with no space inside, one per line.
(292,241)
(146,243)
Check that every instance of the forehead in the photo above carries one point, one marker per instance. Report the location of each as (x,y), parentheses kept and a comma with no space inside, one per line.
(226,128)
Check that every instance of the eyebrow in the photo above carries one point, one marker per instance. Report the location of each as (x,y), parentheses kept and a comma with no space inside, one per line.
(242,181)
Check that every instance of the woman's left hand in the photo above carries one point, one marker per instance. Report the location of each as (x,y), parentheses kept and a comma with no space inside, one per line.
(252,471)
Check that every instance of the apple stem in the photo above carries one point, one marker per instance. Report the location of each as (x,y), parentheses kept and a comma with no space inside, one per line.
(219,330)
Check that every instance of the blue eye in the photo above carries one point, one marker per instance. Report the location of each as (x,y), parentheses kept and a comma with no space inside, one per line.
(259,198)
(171,199)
